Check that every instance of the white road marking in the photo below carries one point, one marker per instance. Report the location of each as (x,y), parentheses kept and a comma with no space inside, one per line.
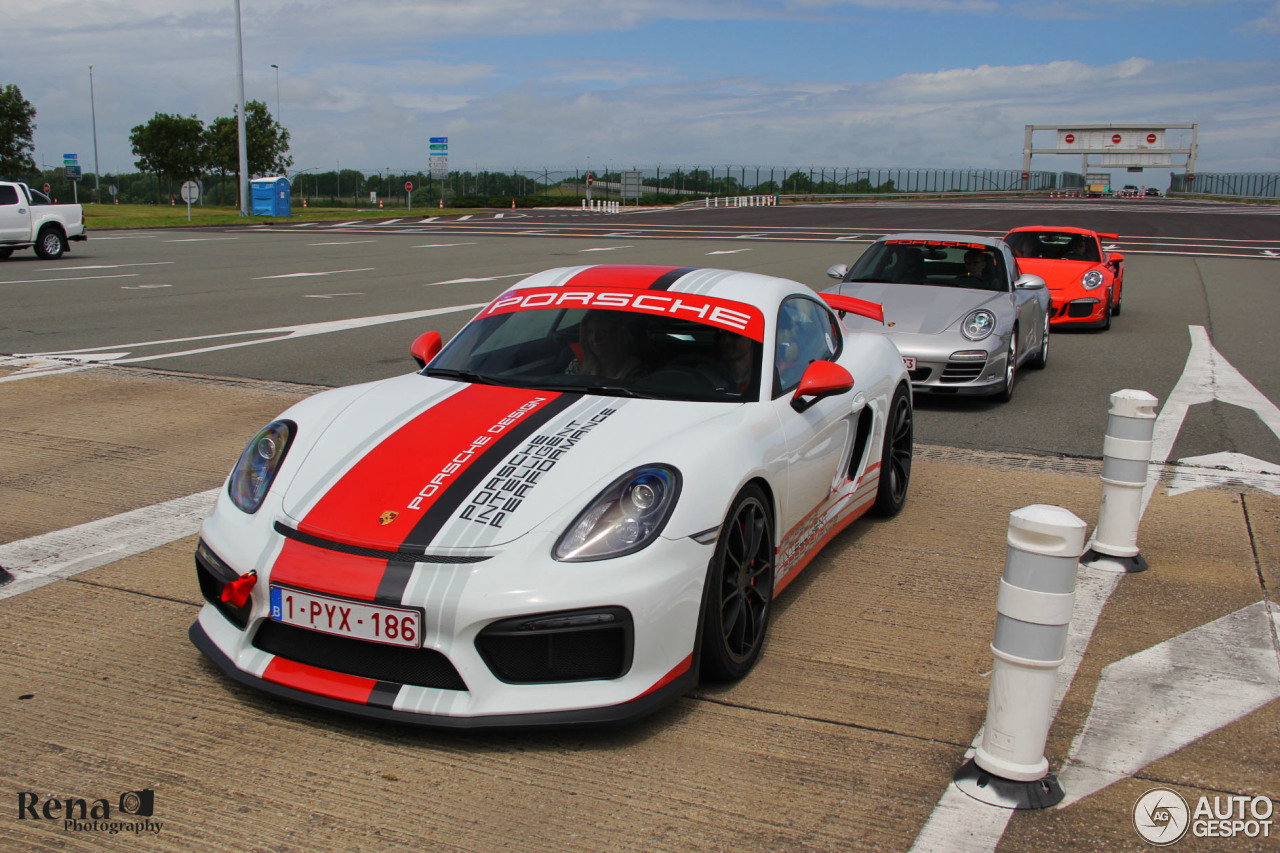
(607,249)
(342,243)
(1206,678)
(143,286)
(474,280)
(74,278)
(388,222)
(53,556)
(428,219)
(728,251)
(328,295)
(1270,254)
(129,237)
(1214,470)
(341,224)
(1207,376)
(279,333)
(442,245)
(107,266)
(310,274)
(201,239)
(464,218)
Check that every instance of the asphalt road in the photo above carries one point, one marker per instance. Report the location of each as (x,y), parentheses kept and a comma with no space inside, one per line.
(251,302)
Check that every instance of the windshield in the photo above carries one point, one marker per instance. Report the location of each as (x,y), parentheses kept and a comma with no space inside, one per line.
(1054,245)
(601,351)
(934,262)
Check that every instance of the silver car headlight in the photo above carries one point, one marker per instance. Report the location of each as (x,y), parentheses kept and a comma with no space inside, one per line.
(252,477)
(623,518)
(978,325)
(1092,280)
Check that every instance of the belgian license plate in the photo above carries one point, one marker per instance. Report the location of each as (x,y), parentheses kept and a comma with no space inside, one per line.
(909,361)
(394,626)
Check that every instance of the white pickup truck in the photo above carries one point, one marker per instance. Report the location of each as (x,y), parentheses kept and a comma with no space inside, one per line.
(28,219)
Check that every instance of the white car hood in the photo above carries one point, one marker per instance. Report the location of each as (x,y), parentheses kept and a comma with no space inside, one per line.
(416,463)
(918,308)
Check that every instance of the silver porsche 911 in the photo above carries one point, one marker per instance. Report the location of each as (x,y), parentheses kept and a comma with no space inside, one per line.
(962,314)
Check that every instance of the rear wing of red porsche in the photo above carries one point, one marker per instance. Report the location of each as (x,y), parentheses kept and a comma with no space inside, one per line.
(853,305)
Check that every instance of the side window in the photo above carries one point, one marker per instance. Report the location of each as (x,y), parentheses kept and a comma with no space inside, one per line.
(8,195)
(806,333)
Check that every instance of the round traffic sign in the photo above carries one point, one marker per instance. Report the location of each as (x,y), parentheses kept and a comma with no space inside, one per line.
(1151,138)
(1070,138)
(408,186)
(1115,138)
(190,191)
(46,189)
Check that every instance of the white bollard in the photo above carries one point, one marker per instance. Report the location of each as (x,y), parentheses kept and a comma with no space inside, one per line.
(1037,594)
(1126,455)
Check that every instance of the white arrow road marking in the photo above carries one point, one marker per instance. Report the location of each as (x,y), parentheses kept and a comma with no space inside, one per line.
(1270,254)
(53,556)
(279,333)
(1154,703)
(728,251)
(1207,376)
(310,274)
(1224,469)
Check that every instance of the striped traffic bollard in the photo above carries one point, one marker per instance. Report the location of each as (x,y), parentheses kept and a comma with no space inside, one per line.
(1037,595)
(1126,455)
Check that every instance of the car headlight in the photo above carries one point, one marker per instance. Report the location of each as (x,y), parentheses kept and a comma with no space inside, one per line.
(252,477)
(1092,280)
(978,325)
(623,518)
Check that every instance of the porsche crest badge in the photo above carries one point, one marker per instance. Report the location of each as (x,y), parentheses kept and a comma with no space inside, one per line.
(388,517)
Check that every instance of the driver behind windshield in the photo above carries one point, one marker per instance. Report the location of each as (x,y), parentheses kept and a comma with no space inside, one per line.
(609,345)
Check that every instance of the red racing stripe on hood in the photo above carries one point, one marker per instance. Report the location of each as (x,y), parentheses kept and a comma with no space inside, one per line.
(412,468)
(630,276)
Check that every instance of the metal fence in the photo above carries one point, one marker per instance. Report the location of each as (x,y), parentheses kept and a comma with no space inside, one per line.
(1240,184)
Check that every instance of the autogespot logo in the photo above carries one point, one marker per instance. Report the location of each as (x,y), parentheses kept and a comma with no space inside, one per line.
(1161,816)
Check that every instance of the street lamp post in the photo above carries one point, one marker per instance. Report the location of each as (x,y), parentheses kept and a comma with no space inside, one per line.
(93,112)
(277,68)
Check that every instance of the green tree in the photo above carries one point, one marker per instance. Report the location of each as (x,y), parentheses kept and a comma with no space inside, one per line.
(171,147)
(266,143)
(17,125)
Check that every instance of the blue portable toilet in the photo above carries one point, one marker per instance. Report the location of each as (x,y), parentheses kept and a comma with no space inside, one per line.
(270,196)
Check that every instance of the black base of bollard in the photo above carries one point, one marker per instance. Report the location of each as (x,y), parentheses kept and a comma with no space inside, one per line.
(1136,563)
(1040,793)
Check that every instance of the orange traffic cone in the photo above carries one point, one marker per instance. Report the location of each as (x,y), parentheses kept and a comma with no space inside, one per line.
(304,202)
(379,204)
(513,204)
(171,201)
(442,202)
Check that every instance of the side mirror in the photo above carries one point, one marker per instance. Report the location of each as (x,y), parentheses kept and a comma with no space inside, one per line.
(838,272)
(821,379)
(1114,258)
(426,347)
(1029,282)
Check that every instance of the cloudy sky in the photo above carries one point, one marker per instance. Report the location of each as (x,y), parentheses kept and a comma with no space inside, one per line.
(534,84)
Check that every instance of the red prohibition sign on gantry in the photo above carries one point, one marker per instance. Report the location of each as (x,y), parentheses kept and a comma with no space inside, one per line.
(1151,137)
(1070,138)
(1116,139)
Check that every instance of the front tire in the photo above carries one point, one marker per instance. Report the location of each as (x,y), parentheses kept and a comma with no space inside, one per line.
(895,458)
(740,594)
(50,244)
(1005,394)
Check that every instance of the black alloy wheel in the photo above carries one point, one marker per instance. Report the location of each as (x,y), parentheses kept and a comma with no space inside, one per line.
(740,593)
(895,458)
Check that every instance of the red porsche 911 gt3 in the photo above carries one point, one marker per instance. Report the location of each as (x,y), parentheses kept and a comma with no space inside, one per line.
(1084,279)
